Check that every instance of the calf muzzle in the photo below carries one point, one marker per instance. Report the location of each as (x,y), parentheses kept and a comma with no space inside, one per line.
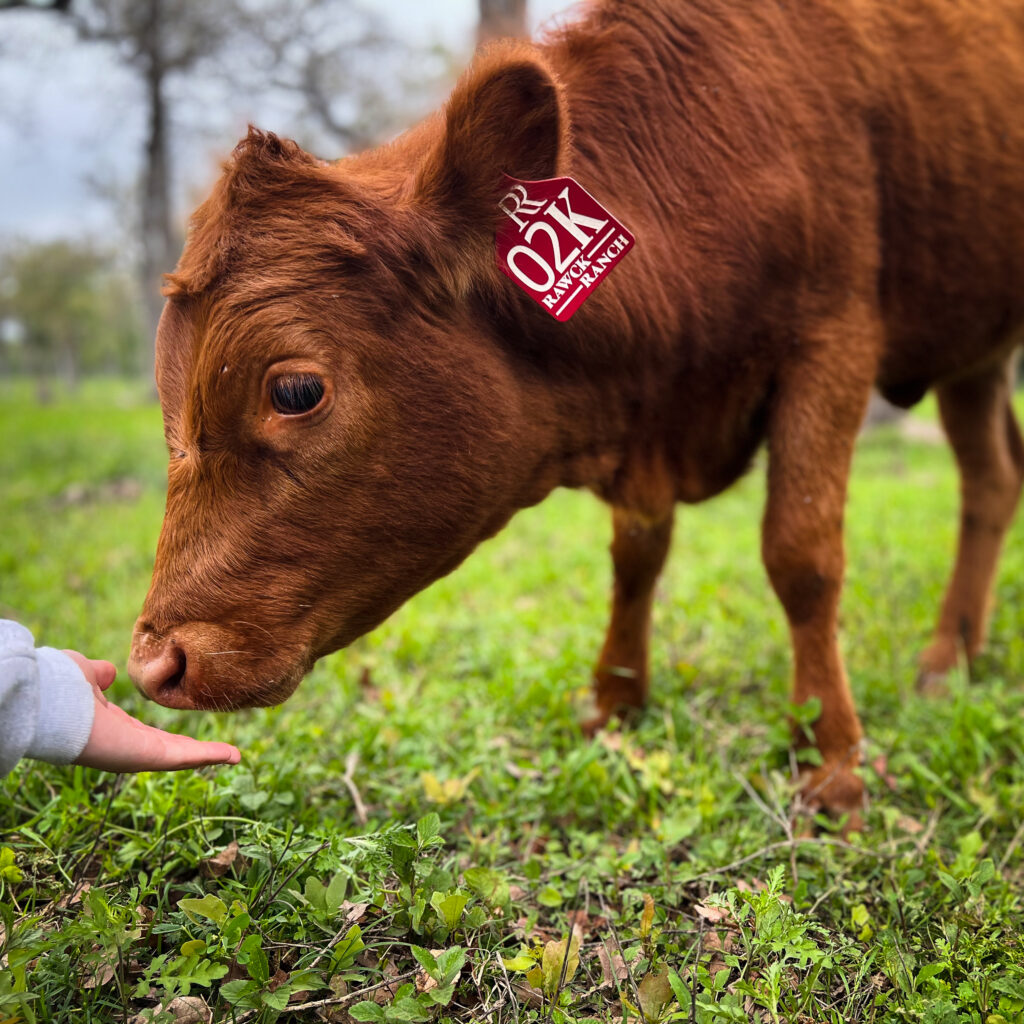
(216,667)
(159,668)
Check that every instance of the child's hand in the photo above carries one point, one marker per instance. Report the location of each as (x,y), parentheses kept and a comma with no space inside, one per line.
(120,743)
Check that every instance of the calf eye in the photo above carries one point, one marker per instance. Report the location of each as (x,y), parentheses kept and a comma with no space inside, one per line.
(296,393)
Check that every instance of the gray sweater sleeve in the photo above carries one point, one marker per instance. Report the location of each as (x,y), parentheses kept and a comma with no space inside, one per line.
(46,704)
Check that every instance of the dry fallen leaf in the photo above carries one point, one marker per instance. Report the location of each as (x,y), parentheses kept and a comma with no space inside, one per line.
(386,993)
(354,912)
(527,994)
(712,914)
(103,974)
(581,923)
(236,972)
(756,885)
(715,965)
(219,865)
(190,1010)
(881,766)
(613,967)
(715,941)
(370,690)
(69,899)
(909,825)
(424,982)
(185,1009)
(537,934)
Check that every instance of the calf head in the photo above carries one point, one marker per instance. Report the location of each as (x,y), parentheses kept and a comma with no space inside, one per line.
(343,423)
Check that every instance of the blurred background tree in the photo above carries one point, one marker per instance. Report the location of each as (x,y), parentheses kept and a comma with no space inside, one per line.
(66,310)
(500,18)
(332,74)
(326,53)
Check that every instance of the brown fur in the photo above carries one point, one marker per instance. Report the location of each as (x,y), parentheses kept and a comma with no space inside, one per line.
(825,194)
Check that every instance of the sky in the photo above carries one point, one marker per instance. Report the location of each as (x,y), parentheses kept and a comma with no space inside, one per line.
(71,127)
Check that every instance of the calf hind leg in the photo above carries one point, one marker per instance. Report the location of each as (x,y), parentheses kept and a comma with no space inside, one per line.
(639,547)
(979,422)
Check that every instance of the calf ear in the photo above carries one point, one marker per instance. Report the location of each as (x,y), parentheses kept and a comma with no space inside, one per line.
(507,115)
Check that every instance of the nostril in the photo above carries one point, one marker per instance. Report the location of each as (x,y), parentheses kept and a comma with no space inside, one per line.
(174,671)
(163,677)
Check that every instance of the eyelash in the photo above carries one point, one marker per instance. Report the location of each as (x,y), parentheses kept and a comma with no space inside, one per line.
(296,393)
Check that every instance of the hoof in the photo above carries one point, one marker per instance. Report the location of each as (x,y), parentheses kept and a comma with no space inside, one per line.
(938,659)
(931,683)
(838,791)
(605,712)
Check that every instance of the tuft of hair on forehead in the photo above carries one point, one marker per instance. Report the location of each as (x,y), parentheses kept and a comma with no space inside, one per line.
(264,181)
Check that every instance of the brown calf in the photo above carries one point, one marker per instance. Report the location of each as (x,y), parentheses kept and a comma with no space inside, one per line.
(825,194)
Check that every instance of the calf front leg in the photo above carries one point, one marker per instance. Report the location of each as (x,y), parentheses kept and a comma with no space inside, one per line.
(979,422)
(813,430)
(639,547)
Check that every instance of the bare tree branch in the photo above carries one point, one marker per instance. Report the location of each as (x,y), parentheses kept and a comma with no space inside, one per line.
(499,18)
(41,5)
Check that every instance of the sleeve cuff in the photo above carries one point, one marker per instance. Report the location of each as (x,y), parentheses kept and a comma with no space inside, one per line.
(66,709)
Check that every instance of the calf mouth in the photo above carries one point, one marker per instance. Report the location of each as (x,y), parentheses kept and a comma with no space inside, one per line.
(195,667)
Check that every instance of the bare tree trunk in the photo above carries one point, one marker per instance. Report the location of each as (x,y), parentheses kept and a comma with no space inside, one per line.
(500,18)
(160,241)
(68,365)
(40,369)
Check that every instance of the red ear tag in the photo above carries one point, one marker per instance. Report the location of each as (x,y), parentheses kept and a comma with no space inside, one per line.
(558,242)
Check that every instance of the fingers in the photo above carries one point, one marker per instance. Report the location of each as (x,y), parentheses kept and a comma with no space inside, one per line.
(177,751)
(99,673)
(105,673)
(185,752)
(120,743)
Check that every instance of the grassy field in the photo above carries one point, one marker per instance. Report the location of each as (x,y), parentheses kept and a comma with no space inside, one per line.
(421,833)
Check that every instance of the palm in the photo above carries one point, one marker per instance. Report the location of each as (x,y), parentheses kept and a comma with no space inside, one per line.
(121,743)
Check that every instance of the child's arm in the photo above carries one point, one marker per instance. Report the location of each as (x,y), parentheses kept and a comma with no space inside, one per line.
(46,704)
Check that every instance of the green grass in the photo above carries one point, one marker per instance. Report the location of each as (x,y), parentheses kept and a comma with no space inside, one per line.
(428,789)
